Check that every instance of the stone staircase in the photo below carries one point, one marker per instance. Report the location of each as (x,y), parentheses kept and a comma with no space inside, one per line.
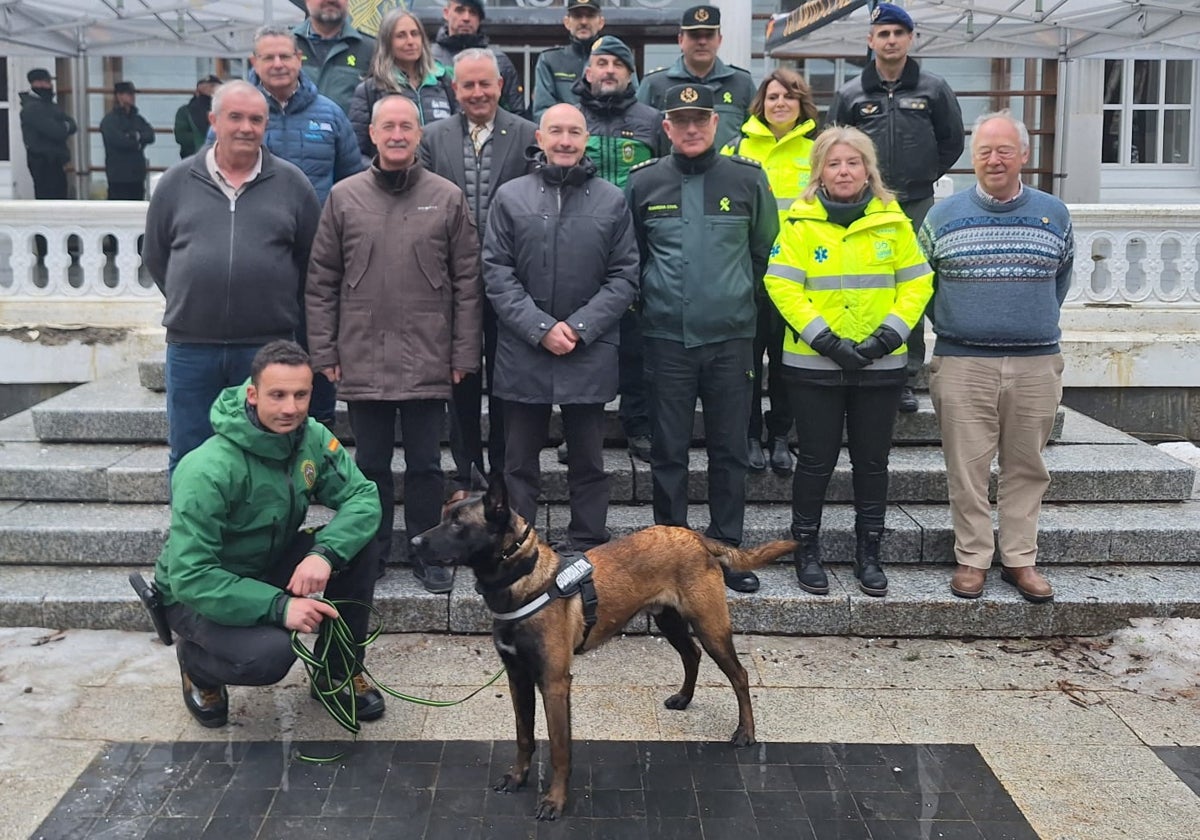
(83,493)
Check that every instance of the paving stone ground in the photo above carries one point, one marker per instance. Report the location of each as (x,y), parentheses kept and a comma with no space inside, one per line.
(1060,739)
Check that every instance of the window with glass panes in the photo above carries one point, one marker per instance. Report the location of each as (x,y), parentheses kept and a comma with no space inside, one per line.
(1149,111)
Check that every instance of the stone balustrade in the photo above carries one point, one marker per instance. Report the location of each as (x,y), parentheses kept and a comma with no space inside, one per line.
(70,271)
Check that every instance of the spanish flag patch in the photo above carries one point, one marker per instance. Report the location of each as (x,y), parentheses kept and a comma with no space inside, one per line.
(333,444)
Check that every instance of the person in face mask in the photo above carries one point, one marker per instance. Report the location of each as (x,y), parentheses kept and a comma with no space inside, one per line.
(191,120)
(45,128)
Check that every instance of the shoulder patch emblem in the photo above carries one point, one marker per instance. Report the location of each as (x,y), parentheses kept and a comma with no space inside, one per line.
(334,444)
(309,470)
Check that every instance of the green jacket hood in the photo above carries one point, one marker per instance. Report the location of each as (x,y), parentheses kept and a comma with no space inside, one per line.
(230,418)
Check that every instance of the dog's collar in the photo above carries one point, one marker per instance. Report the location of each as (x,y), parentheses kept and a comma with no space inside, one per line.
(515,547)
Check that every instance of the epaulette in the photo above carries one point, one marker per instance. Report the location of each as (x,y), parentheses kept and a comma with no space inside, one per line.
(735,67)
(644,164)
(652,72)
(746,160)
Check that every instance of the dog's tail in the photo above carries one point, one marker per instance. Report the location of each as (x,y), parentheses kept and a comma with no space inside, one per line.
(748,559)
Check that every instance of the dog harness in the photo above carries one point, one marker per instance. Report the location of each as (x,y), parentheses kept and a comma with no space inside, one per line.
(574,577)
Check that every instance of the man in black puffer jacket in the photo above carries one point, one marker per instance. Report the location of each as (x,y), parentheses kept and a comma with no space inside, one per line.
(560,267)
(45,128)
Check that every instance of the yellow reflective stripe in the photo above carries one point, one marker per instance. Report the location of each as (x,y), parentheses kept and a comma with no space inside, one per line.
(903,275)
(787,272)
(839,282)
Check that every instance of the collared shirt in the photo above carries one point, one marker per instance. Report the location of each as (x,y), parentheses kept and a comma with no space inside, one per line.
(231,192)
(480,134)
(987,198)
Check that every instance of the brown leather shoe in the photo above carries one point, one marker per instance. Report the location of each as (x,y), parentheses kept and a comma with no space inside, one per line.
(968,581)
(1029,582)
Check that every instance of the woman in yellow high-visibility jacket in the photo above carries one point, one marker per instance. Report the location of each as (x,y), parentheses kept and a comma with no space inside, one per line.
(777,135)
(850,282)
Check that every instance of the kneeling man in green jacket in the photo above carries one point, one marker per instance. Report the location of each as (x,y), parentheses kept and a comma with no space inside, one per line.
(237,569)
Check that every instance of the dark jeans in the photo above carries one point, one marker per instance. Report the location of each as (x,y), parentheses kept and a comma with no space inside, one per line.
(634,408)
(526,428)
(127,190)
(868,414)
(466,415)
(916,212)
(719,375)
(49,178)
(217,654)
(374,426)
(196,373)
(768,337)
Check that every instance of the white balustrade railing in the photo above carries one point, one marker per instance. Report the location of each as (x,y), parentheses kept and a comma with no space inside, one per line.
(72,249)
(1140,256)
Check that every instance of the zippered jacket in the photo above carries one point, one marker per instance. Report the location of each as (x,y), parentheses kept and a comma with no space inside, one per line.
(786,160)
(346,64)
(435,100)
(733,91)
(850,280)
(559,246)
(917,126)
(232,271)
(705,226)
(622,132)
(237,502)
(512,94)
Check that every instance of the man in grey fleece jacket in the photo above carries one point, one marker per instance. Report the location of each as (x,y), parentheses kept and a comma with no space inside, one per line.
(228,234)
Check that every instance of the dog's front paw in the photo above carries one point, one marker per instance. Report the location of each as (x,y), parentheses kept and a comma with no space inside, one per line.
(742,738)
(550,808)
(509,783)
(677,701)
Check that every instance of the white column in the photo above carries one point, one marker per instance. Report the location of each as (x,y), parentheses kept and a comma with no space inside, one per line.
(1080,132)
(736,26)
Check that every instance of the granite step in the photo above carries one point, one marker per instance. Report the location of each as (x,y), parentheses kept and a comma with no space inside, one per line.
(1088,601)
(1093,472)
(117,409)
(82,534)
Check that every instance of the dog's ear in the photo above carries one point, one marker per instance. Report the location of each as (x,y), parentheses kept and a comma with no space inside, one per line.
(478,482)
(495,500)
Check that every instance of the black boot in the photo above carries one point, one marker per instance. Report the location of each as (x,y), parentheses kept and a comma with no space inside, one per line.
(809,573)
(781,456)
(867,568)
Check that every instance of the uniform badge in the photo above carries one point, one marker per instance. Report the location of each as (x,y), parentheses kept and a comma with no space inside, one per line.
(883,250)
(727,98)
(627,152)
(724,204)
(689,95)
(351,60)
(821,253)
(309,470)
(701,15)
(868,109)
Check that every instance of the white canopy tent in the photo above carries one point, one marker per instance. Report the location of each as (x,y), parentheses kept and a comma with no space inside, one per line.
(1064,29)
(136,27)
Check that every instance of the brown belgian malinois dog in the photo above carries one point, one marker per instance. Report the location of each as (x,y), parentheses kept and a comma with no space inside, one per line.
(673,573)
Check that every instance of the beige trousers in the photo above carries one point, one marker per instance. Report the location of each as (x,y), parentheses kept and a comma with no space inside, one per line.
(989,406)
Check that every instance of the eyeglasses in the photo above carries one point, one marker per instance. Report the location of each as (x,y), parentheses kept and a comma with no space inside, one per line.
(1002,152)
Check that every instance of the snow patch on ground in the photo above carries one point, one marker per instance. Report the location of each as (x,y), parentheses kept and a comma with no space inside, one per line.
(1159,657)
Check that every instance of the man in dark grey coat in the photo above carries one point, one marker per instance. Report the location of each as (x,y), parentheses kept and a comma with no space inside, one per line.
(560,267)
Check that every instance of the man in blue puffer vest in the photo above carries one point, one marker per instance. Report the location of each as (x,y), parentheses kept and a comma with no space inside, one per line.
(303,126)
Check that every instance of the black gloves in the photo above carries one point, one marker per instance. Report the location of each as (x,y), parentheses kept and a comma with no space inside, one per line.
(880,343)
(841,350)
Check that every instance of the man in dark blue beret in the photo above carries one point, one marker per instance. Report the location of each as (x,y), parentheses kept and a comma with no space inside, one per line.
(914,119)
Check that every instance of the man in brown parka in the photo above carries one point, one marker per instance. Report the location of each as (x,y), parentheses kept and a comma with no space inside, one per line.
(394,308)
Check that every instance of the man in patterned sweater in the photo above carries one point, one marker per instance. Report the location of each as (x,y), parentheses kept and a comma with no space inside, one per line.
(1002,254)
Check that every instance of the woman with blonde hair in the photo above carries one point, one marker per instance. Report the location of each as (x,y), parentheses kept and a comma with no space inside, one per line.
(403,64)
(850,282)
(778,135)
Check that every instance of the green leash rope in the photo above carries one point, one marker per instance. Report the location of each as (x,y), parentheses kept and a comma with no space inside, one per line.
(335,652)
